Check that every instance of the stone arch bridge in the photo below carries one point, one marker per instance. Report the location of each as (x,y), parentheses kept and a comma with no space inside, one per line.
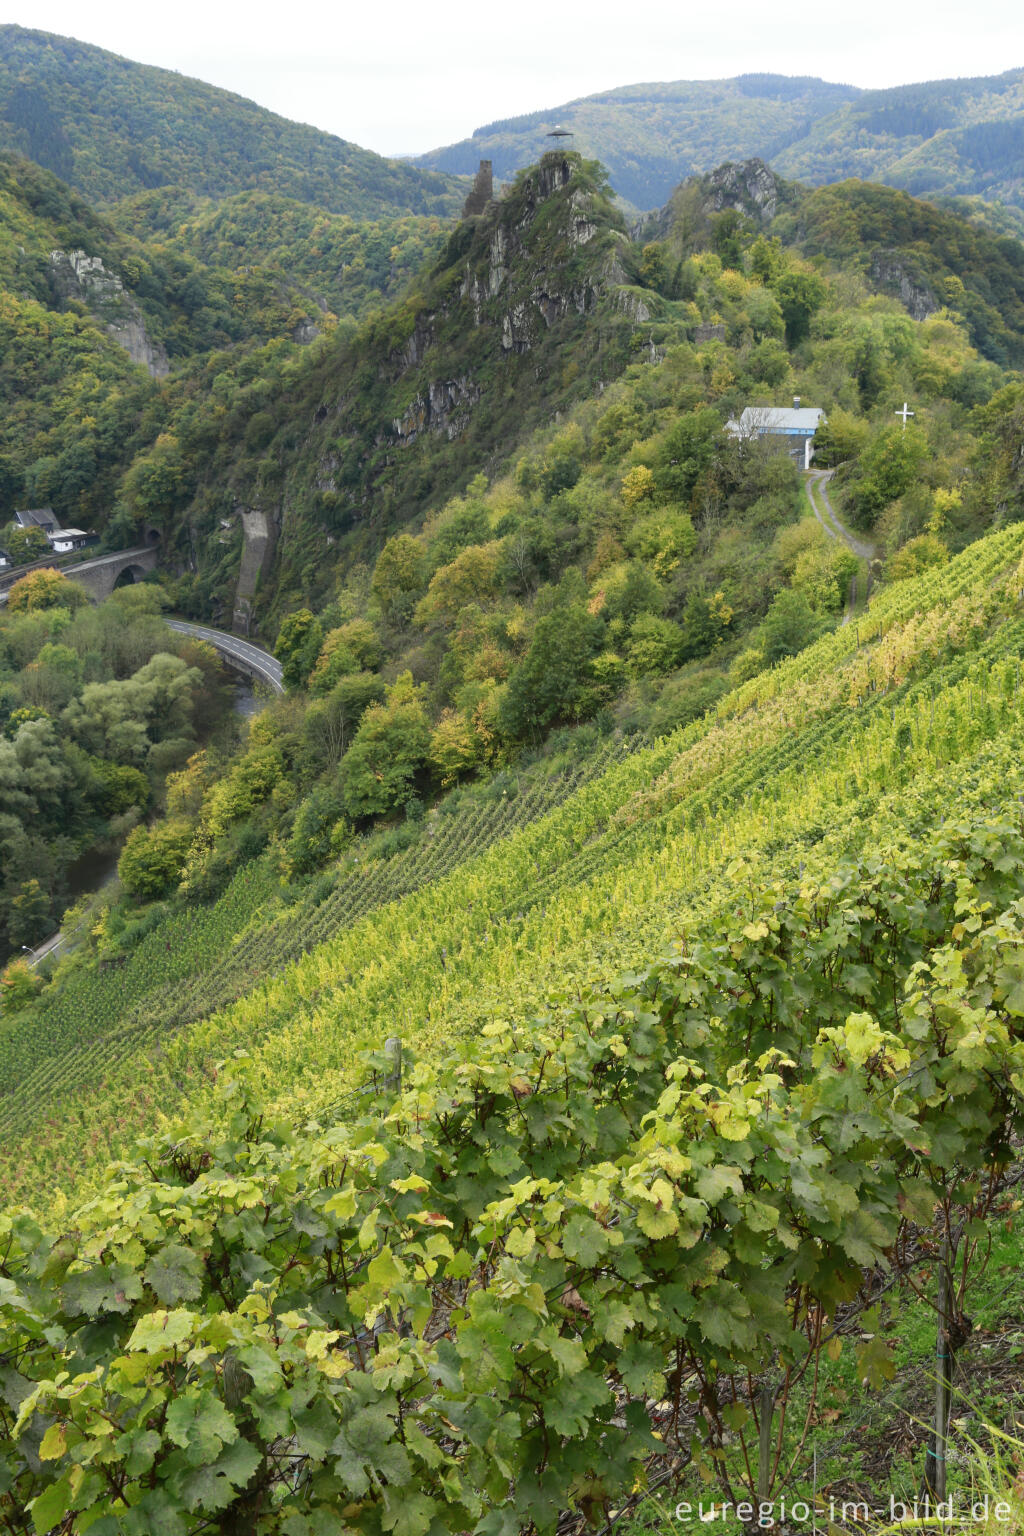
(99,576)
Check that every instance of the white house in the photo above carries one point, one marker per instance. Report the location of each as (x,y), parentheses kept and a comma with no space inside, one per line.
(64,540)
(792,428)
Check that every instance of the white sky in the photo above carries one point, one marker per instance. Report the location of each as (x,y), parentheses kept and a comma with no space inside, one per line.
(404,78)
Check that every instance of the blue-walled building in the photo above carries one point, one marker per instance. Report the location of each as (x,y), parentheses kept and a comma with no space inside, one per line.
(792,428)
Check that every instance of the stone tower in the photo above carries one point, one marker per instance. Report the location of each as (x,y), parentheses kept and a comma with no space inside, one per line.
(483,191)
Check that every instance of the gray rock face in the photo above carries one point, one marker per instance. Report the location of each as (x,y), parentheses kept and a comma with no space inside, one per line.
(748,186)
(83,277)
(889,271)
(520,272)
(305,332)
(444,408)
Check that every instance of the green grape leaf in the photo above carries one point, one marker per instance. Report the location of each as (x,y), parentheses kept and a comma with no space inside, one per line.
(174,1274)
(875,1364)
(578,1396)
(584,1240)
(50,1507)
(201,1424)
(161,1330)
(409,1515)
(316,1430)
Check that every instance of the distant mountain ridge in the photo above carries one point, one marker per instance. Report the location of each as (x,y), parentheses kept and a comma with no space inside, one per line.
(112,128)
(945,137)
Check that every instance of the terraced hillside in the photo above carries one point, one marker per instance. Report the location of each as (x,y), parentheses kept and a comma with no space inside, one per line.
(711,1069)
(508,900)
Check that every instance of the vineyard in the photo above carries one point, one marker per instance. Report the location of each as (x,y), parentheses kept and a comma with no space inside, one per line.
(574,893)
(588,1246)
(202,958)
(711,1104)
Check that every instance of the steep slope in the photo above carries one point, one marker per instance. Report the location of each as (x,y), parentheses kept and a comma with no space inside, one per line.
(111,127)
(509,324)
(948,137)
(89,318)
(718,1050)
(928,257)
(351,265)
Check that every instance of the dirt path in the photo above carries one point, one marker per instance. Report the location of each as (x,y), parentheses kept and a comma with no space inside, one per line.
(817,494)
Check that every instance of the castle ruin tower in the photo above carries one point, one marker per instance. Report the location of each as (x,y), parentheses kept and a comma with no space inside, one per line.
(483,191)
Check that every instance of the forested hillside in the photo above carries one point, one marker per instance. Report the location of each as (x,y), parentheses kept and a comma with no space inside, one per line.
(97,705)
(352,265)
(111,127)
(651,137)
(941,137)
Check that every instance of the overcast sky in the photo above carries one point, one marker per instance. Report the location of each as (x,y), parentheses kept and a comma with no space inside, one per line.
(404,78)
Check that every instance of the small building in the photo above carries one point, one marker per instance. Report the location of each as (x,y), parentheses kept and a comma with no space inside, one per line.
(38,517)
(790,428)
(64,540)
(5,560)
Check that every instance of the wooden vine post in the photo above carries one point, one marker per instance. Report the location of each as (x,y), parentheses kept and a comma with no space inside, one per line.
(766,1411)
(942,1382)
(933,1485)
(393,1053)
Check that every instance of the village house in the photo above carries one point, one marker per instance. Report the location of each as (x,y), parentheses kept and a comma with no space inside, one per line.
(789,428)
(38,517)
(63,541)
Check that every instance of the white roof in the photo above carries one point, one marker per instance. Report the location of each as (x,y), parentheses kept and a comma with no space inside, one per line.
(69,533)
(774,418)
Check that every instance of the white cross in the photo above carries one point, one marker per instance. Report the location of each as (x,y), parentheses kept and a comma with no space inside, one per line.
(904,413)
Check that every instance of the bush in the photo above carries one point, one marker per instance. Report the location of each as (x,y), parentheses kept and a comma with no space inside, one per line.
(19,985)
(153,860)
(310,842)
(379,770)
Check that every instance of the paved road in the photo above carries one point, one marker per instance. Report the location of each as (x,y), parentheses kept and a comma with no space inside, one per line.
(817,495)
(48,946)
(67,566)
(234,648)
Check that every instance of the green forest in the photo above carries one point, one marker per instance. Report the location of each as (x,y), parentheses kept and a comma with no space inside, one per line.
(111,128)
(952,138)
(555,1059)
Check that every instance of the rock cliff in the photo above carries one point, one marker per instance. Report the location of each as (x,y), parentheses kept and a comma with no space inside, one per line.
(511,278)
(80,276)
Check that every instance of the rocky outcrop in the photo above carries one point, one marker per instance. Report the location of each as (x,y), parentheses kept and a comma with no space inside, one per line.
(306,331)
(544,254)
(80,276)
(443,408)
(748,186)
(532,290)
(888,270)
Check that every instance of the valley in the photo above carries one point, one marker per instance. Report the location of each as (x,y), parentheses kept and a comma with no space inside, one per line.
(552,1051)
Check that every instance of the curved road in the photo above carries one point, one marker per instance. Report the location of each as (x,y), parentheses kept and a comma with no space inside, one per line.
(817,494)
(250,657)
